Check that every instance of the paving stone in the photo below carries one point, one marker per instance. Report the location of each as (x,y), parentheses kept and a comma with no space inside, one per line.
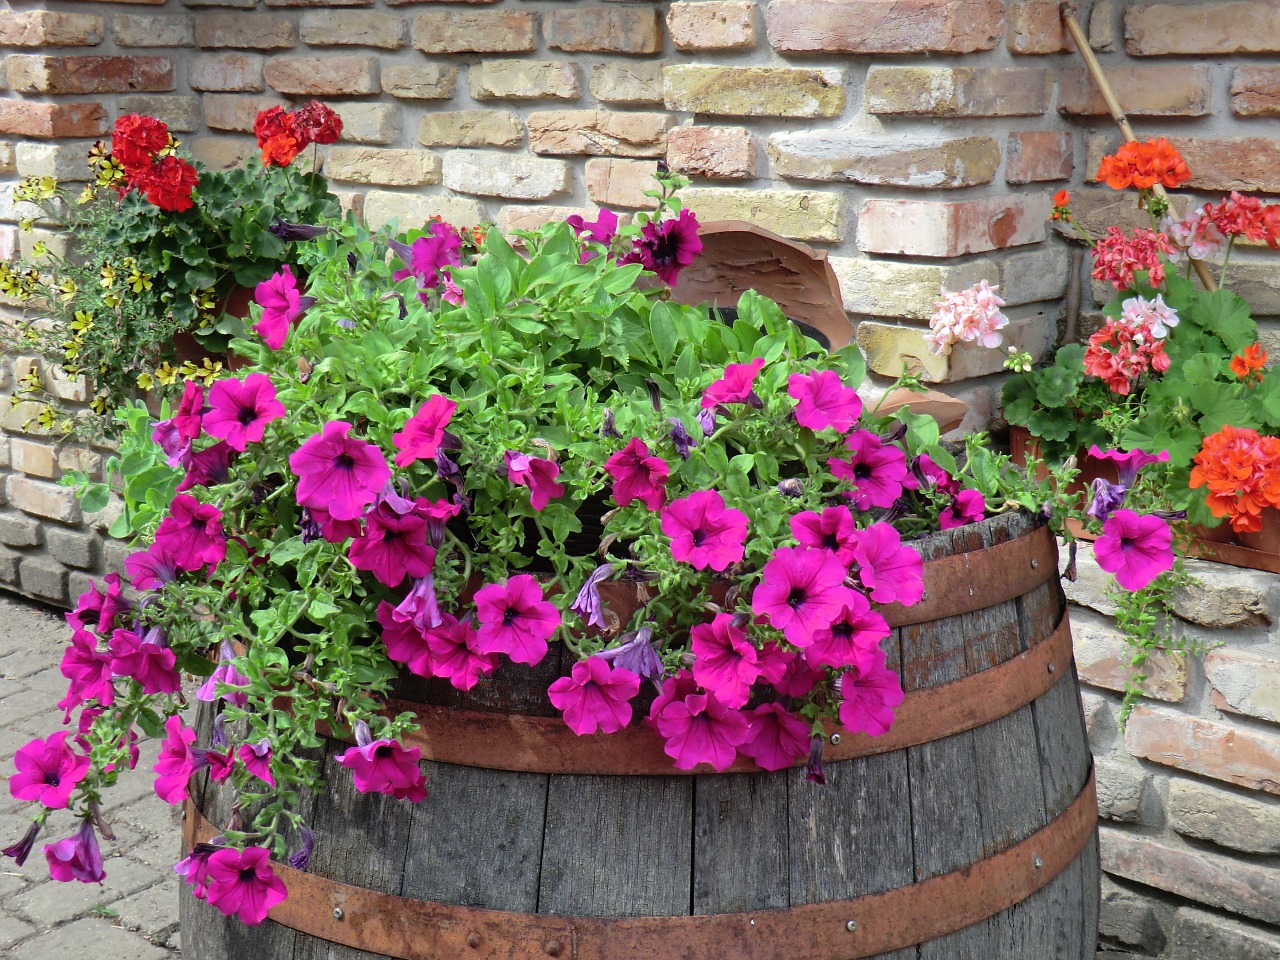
(14,931)
(52,902)
(106,940)
(152,912)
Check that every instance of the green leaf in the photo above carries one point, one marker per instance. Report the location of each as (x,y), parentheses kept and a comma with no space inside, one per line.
(1226,314)
(662,329)
(1202,368)
(1049,425)
(1218,406)
(94,497)
(1019,400)
(1057,385)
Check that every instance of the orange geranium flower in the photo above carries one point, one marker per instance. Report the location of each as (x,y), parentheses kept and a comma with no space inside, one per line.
(1061,206)
(1241,470)
(1143,165)
(1247,365)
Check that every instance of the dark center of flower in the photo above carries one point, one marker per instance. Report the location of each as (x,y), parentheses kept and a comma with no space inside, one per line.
(862,471)
(842,630)
(383,751)
(509,616)
(699,536)
(248,875)
(247,415)
(51,778)
(831,542)
(344,461)
(796,597)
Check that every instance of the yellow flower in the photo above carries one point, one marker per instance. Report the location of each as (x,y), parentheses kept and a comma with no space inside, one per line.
(169,148)
(86,196)
(32,378)
(138,281)
(204,299)
(206,373)
(98,152)
(99,405)
(83,321)
(48,417)
(46,188)
(67,290)
(71,349)
(26,225)
(108,273)
(146,381)
(109,173)
(39,248)
(26,189)
(167,373)
(111,300)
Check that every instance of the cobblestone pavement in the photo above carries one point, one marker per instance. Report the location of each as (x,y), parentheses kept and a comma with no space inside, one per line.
(133,914)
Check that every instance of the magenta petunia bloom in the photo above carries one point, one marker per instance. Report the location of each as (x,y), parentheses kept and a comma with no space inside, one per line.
(226,682)
(405,642)
(799,678)
(703,531)
(393,546)
(666,247)
(928,475)
(869,691)
(455,654)
(194,868)
(423,434)
(595,696)
(735,386)
(725,663)
(514,619)
(857,630)
(187,420)
(192,533)
(256,758)
(638,476)
(240,410)
(208,467)
(177,761)
(1128,463)
(22,849)
(967,506)
(385,766)
(338,473)
(97,609)
(834,529)
(420,605)
(876,472)
(440,247)
(89,670)
(537,474)
(281,303)
(822,400)
(221,763)
(890,571)
(152,568)
(801,591)
(151,664)
(241,883)
(48,770)
(1136,548)
(335,531)
(776,738)
(602,230)
(174,446)
(76,857)
(672,688)
(701,729)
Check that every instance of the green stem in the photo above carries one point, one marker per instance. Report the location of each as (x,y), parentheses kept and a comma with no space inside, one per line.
(1226,258)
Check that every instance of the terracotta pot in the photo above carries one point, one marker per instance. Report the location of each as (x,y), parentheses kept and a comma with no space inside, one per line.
(1268,538)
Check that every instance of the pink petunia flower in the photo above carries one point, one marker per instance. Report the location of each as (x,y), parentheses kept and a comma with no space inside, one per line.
(638,476)
(672,688)
(190,414)
(425,432)
(281,303)
(226,682)
(385,766)
(177,761)
(537,474)
(1136,548)
(822,400)
(513,618)
(776,738)
(339,473)
(666,247)
(834,529)
(97,609)
(725,663)
(876,472)
(440,247)
(89,670)
(735,386)
(405,641)
(455,655)
(145,660)
(194,868)
(241,883)
(857,630)
(208,467)
(967,506)
(595,696)
(799,678)
(890,571)
(703,531)
(240,410)
(76,857)
(192,533)
(152,568)
(602,230)
(48,770)
(256,758)
(869,691)
(701,729)
(801,591)
(393,546)
(420,605)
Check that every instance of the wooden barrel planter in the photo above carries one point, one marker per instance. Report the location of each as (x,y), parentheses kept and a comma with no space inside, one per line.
(968,832)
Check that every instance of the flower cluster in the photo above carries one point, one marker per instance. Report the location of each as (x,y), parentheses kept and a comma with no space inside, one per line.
(1240,471)
(1144,164)
(967,316)
(1131,345)
(283,134)
(143,155)
(1116,257)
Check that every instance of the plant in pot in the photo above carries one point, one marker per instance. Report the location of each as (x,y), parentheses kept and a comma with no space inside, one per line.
(466,467)
(152,285)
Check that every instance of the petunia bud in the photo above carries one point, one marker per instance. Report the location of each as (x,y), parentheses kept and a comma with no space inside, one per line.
(813,769)
(609,429)
(791,487)
(22,849)
(287,231)
(655,397)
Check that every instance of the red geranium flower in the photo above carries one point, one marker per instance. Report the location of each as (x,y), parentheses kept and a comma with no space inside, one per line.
(168,183)
(136,140)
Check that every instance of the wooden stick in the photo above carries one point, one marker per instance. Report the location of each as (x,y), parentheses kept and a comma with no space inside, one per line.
(1117,114)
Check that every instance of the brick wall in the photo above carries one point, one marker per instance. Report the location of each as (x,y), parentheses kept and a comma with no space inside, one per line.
(916,141)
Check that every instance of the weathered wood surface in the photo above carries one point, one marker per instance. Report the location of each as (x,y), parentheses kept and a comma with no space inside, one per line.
(633,846)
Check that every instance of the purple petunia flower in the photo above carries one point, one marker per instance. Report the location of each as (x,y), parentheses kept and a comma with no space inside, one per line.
(602,230)
(338,473)
(281,304)
(225,675)
(636,654)
(587,603)
(683,441)
(76,857)
(666,247)
(513,618)
(440,247)
(22,849)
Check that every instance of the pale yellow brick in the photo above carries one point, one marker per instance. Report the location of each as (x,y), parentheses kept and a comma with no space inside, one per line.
(322,76)
(411,210)
(798,214)
(353,28)
(754,91)
(427,81)
(524,80)
(598,133)
(157,30)
(625,83)
(891,288)
(373,123)
(390,168)
(45,28)
(470,128)
(718,25)
(32,458)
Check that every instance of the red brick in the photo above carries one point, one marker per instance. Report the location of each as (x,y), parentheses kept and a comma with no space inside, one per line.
(884,26)
(1148,91)
(248,31)
(1239,755)
(1035,26)
(480,31)
(1255,91)
(1034,155)
(322,76)
(604,30)
(935,228)
(56,75)
(1155,29)
(717,153)
(228,111)
(52,120)
(44,28)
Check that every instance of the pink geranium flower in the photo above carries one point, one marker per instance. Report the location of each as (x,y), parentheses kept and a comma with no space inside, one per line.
(514,619)
(1136,548)
(801,591)
(48,770)
(453,645)
(76,857)
(967,506)
(869,691)
(242,883)
(240,410)
(339,473)
(834,529)
(857,630)
(822,400)
(537,474)
(393,546)
(384,766)
(192,533)
(595,696)
(725,663)
(150,663)
(638,476)
(423,434)
(703,531)
(891,572)
(776,738)
(281,304)
(735,386)
(876,471)
(177,761)
(701,729)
